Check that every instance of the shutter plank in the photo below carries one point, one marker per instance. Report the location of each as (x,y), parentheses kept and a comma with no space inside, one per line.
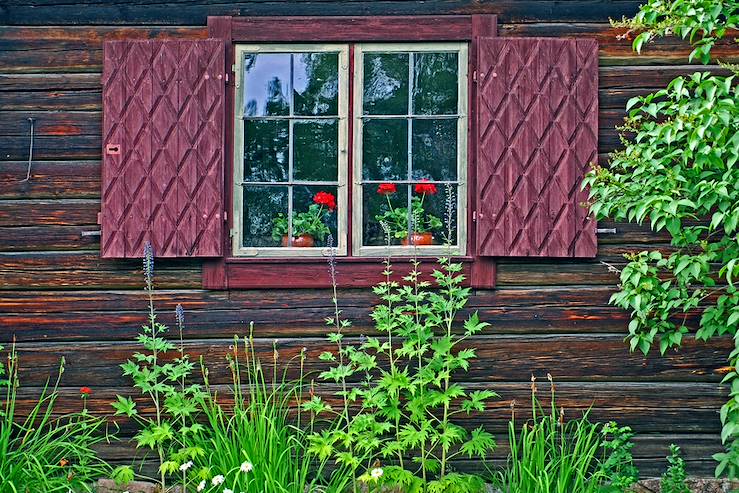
(537,135)
(163,105)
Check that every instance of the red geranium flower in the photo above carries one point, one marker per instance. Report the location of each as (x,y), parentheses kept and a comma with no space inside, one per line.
(85,391)
(387,189)
(426,188)
(325,199)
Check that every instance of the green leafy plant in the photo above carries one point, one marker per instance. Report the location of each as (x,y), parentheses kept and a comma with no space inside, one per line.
(703,22)
(311,223)
(44,452)
(552,455)
(254,445)
(673,480)
(406,401)
(678,170)
(396,218)
(163,380)
(618,463)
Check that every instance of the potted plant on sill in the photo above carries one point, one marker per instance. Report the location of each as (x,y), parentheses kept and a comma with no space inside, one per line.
(396,218)
(307,226)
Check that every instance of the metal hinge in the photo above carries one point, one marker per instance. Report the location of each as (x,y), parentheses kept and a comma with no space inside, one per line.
(606,231)
(474,215)
(474,76)
(225,216)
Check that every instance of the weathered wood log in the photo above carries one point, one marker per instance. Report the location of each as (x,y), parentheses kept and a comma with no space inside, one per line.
(499,358)
(60,270)
(50,179)
(195,12)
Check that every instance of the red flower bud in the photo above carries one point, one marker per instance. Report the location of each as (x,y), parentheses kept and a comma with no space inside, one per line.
(387,189)
(426,188)
(326,199)
(85,391)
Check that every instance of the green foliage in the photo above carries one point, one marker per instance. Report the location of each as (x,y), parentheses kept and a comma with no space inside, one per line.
(42,452)
(703,22)
(406,400)
(551,455)
(396,219)
(673,480)
(678,170)
(618,464)
(162,378)
(254,443)
(312,222)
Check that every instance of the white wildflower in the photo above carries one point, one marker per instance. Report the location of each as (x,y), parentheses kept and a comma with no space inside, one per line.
(217,480)
(201,486)
(187,465)
(226,490)
(376,473)
(247,467)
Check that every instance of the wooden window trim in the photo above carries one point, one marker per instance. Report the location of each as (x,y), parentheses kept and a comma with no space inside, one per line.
(231,272)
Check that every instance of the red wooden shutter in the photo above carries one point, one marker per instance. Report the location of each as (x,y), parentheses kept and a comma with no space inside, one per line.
(162,177)
(537,135)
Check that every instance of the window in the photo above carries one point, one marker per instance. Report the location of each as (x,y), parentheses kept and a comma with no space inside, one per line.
(336,126)
(290,170)
(410,148)
(291,157)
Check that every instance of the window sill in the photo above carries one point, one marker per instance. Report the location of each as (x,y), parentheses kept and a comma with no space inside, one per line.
(351,272)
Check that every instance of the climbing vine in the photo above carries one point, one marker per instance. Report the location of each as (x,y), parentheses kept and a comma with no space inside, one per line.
(679,171)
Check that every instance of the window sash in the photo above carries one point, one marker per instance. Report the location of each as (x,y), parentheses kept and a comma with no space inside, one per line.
(340,248)
(358,249)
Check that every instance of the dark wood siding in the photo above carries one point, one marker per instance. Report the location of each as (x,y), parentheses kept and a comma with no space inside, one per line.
(59,298)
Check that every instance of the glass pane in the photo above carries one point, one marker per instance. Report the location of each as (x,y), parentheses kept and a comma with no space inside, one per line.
(385,84)
(385,203)
(263,208)
(435,84)
(266,84)
(435,207)
(316,84)
(385,149)
(316,150)
(265,150)
(435,149)
(314,215)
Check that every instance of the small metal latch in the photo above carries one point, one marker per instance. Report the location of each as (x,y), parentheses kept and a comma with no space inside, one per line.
(232,233)
(606,231)
(225,216)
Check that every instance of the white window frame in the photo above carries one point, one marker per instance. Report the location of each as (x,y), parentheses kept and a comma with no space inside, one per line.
(462,123)
(340,248)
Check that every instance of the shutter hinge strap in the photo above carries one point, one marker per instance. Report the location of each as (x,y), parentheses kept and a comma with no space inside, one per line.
(474,76)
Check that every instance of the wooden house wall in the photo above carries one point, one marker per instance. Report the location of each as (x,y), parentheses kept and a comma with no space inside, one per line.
(58,298)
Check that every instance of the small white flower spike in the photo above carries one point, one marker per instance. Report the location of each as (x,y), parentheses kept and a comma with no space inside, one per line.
(217,480)
(201,486)
(376,473)
(187,465)
(247,467)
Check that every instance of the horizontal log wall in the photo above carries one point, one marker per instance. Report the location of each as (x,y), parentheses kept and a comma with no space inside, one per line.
(58,298)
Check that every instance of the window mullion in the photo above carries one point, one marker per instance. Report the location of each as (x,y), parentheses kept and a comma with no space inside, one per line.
(290,153)
(410,142)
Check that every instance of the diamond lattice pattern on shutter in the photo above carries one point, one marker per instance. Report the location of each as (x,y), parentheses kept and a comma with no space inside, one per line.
(537,135)
(162,177)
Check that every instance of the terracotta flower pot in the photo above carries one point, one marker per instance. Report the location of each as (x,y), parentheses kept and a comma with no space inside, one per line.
(418,239)
(302,241)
